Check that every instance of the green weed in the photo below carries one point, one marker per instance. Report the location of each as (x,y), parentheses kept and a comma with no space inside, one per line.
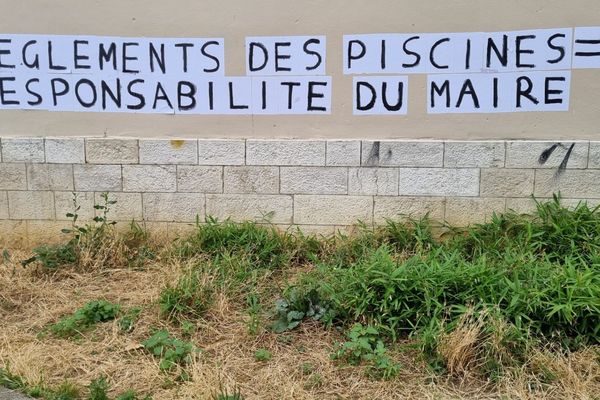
(98,389)
(365,345)
(85,317)
(262,355)
(254,309)
(171,351)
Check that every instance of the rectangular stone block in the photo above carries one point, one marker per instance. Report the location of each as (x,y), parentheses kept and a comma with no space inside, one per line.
(168,151)
(398,208)
(3,205)
(466,211)
(89,178)
(373,181)
(22,150)
(544,154)
(173,207)
(276,209)
(594,155)
(201,179)
(31,205)
(332,210)
(50,177)
(570,183)
(285,152)
(314,180)
(251,179)
(128,206)
(63,204)
(343,153)
(65,150)
(111,151)
(149,178)
(221,152)
(439,182)
(470,153)
(503,182)
(403,153)
(13,177)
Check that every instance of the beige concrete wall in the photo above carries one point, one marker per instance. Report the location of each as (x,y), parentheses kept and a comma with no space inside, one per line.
(236,19)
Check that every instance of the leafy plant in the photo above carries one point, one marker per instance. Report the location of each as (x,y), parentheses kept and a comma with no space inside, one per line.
(87,236)
(364,345)
(298,305)
(170,350)
(85,317)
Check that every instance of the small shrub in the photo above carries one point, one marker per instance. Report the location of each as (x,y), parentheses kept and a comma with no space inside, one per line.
(85,317)
(171,351)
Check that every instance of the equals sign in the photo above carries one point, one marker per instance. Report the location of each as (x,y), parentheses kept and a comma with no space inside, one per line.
(594,53)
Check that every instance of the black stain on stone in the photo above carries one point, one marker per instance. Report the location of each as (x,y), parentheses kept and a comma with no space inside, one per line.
(373,158)
(547,153)
(563,164)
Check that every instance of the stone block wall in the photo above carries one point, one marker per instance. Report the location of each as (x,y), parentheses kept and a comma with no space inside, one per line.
(318,185)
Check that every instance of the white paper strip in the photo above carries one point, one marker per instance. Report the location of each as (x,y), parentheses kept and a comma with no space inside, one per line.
(285,55)
(586,50)
(493,93)
(380,95)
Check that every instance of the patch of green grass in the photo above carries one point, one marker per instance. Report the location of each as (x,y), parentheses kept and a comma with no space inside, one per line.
(190,298)
(84,318)
(264,246)
(98,389)
(539,275)
(65,391)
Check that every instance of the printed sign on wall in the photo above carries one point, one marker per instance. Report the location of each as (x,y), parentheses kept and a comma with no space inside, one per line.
(158,75)
(467,72)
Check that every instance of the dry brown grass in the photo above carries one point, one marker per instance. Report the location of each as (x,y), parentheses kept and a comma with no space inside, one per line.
(301,367)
